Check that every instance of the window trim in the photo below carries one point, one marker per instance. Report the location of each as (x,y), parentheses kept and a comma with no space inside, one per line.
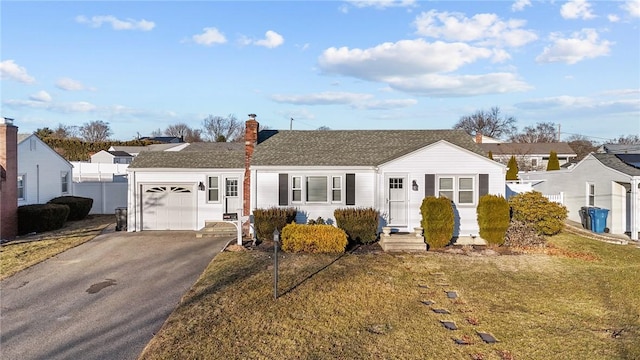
(297,189)
(300,194)
(591,195)
(23,187)
(456,190)
(64,181)
(338,188)
(217,188)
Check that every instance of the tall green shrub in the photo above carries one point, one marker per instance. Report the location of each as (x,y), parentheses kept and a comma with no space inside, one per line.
(267,220)
(360,224)
(493,218)
(512,169)
(533,208)
(437,221)
(554,163)
(41,217)
(490,155)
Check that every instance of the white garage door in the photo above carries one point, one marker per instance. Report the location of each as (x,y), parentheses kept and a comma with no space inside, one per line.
(168,207)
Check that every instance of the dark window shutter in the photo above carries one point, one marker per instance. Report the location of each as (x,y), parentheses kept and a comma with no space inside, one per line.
(429,185)
(350,188)
(483,185)
(283,189)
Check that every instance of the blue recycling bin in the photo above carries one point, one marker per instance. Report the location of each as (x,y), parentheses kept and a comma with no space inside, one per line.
(598,219)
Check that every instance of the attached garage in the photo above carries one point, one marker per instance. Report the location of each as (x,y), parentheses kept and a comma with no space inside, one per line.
(168,207)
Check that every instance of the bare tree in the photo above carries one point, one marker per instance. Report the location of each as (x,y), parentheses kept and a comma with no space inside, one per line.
(184,132)
(221,129)
(489,123)
(156,132)
(581,145)
(627,140)
(96,130)
(66,131)
(544,132)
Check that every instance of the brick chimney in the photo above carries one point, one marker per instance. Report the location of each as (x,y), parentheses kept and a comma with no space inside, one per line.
(250,141)
(8,179)
(478,137)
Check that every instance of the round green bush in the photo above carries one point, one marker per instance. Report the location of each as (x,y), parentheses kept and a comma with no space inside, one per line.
(41,217)
(79,206)
(533,208)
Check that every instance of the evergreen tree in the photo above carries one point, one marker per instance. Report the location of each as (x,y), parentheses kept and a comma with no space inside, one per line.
(554,163)
(490,155)
(512,169)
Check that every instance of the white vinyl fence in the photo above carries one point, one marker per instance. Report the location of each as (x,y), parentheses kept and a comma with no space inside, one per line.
(107,196)
(558,198)
(85,171)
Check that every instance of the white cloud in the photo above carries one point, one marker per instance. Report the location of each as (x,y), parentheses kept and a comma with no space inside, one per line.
(116,24)
(69,84)
(632,7)
(271,40)
(9,70)
(71,107)
(485,29)
(580,46)
(577,9)
(459,85)
(385,104)
(613,18)
(519,5)
(323,98)
(41,96)
(209,37)
(402,58)
(586,105)
(380,4)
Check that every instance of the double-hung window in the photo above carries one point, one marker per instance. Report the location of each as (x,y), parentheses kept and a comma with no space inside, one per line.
(460,189)
(296,189)
(213,189)
(22,178)
(336,189)
(64,181)
(592,194)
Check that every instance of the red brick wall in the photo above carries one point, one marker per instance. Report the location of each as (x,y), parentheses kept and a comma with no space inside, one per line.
(250,141)
(9,188)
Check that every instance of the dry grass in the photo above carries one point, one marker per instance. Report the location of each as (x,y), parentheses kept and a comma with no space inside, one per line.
(575,303)
(29,250)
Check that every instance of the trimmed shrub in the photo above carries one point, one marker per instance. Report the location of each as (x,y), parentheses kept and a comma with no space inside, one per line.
(521,234)
(267,220)
(318,221)
(437,221)
(554,163)
(360,224)
(79,206)
(493,218)
(313,239)
(512,169)
(41,217)
(533,208)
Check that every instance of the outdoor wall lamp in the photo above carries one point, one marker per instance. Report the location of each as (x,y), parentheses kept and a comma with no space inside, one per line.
(201,186)
(414,186)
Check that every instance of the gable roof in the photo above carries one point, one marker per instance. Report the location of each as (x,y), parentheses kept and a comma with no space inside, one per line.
(614,162)
(22,137)
(349,147)
(205,156)
(561,148)
(620,148)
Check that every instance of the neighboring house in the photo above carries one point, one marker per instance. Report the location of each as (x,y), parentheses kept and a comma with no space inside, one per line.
(164,139)
(602,180)
(483,139)
(112,157)
(42,173)
(135,150)
(619,149)
(530,156)
(8,179)
(180,190)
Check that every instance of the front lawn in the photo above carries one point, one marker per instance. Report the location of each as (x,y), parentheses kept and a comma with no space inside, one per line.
(29,250)
(580,302)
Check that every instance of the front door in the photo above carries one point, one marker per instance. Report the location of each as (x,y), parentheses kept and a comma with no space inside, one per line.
(397,200)
(232,203)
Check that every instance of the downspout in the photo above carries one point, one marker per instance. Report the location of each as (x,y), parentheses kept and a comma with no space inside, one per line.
(37,184)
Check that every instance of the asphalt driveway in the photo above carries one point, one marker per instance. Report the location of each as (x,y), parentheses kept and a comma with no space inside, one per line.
(104,299)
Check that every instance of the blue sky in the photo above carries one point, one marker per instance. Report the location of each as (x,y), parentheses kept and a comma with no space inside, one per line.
(384,64)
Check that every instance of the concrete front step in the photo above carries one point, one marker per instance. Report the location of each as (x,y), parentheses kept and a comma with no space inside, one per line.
(402,242)
(217,229)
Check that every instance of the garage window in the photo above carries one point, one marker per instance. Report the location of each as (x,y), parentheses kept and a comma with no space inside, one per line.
(213,189)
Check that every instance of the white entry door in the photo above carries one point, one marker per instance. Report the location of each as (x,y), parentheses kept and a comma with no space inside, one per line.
(232,202)
(397,200)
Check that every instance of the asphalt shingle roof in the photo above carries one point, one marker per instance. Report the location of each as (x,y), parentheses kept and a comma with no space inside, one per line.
(349,147)
(612,161)
(561,148)
(208,157)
